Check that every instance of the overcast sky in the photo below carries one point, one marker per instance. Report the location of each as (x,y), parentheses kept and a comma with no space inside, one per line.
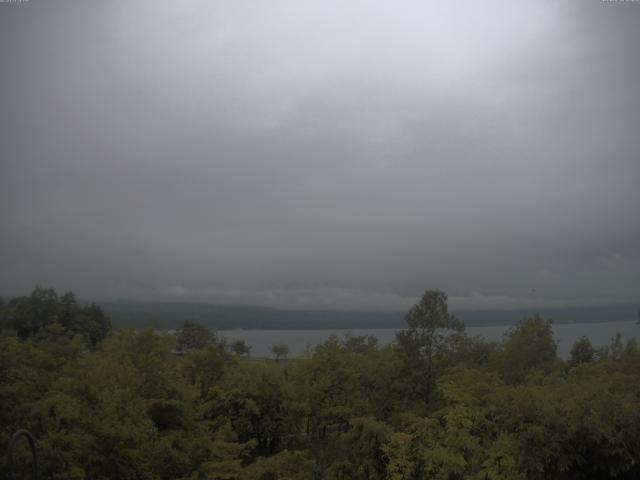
(322,154)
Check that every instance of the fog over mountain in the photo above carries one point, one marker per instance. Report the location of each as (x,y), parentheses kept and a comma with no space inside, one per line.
(322,155)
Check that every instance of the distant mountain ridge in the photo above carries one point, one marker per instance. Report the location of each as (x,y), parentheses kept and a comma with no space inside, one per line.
(169,315)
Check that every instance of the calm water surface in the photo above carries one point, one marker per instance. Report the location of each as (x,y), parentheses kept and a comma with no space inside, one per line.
(301,341)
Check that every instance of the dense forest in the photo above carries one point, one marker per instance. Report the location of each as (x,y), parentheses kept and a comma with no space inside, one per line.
(126,404)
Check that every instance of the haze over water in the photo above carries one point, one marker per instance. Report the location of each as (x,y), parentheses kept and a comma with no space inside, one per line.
(300,341)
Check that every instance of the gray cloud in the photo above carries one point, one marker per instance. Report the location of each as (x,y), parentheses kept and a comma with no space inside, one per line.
(322,154)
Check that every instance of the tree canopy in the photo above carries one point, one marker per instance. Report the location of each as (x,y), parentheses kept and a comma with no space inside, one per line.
(130,407)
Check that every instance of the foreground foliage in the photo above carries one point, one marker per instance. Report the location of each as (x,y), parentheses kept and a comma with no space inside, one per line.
(437,404)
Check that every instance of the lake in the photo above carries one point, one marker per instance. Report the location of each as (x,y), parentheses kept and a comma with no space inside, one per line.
(300,341)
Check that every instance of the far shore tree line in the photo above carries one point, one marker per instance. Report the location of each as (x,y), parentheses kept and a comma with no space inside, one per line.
(435,404)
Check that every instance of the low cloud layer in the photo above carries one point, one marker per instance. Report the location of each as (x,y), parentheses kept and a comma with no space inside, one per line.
(341,155)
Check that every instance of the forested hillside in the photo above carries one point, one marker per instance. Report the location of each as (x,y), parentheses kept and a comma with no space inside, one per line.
(436,404)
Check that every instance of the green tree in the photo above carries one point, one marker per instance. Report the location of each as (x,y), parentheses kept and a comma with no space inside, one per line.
(529,346)
(362,454)
(27,316)
(280,350)
(240,348)
(582,352)
(427,339)
(193,336)
(398,453)
(31,313)
(285,465)
(260,405)
(204,368)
